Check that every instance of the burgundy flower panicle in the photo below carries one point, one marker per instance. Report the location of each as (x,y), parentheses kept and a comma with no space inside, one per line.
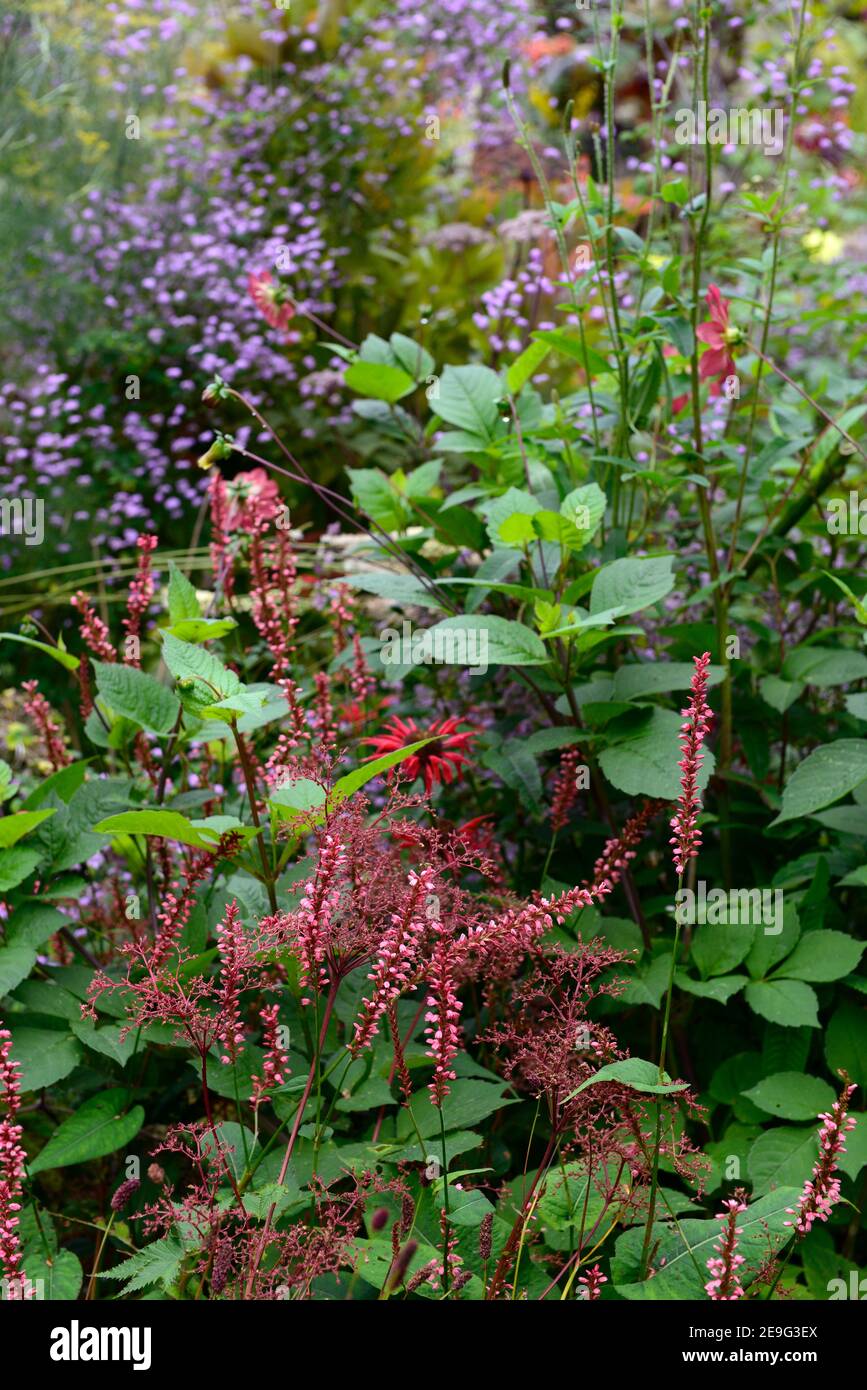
(444,1010)
(725,1285)
(12,1160)
(697,716)
(141,591)
(398,953)
(822,1190)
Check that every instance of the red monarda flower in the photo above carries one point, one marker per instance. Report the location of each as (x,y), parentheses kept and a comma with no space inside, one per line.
(266,295)
(439,761)
(718,363)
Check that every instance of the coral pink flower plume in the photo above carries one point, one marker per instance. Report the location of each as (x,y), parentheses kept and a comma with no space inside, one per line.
(12,1160)
(697,719)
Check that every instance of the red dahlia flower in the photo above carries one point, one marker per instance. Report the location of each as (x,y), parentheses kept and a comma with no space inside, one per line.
(268,298)
(719,335)
(439,761)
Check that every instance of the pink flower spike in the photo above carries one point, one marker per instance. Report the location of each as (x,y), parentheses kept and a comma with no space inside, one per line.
(725,1285)
(697,716)
(12,1160)
(822,1190)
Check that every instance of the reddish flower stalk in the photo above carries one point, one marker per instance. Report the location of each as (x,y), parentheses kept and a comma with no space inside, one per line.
(12,1160)
(273,573)
(177,906)
(822,1190)
(593,1281)
(39,710)
(565,791)
(397,956)
(141,591)
(124,1194)
(620,849)
(94,632)
(323,711)
(725,1284)
(313,919)
(275,1067)
(444,1009)
(697,719)
(232,946)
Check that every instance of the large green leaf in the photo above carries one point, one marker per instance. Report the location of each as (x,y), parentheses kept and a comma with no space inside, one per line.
(824,776)
(157,1263)
(98,1127)
(45,1055)
(379,381)
(790,1003)
(790,1095)
(468,398)
(58,653)
(490,640)
(782,1157)
(16,963)
(137,696)
(658,677)
(631,584)
(681,1257)
(637,1075)
(645,760)
(13,828)
(821,956)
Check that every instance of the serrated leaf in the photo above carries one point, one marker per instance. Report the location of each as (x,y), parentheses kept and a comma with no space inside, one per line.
(137,696)
(825,775)
(157,1263)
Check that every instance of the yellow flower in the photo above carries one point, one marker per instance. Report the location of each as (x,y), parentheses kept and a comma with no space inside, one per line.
(823,246)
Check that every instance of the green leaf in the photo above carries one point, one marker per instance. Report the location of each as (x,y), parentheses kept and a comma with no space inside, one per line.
(157,1263)
(637,1075)
(824,776)
(524,366)
(189,662)
(468,1103)
(57,1276)
(379,381)
(105,1040)
(633,682)
(645,761)
(570,345)
(45,1055)
(14,828)
(495,641)
(787,1002)
(66,659)
(411,356)
(855,1157)
(821,956)
(768,949)
(780,694)
(201,629)
(717,949)
(16,963)
(824,666)
(376,496)
(171,825)
(782,1157)
(846,1042)
(630,584)
(681,1269)
(469,398)
(720,990)
(137,696)
(15,866)
(98,1127)
(183,600)
(790,1095)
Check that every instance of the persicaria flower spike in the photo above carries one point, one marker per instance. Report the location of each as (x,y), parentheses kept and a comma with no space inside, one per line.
(697,719)
(276,1064)
(444,1010)
(725,1284)
(822,1190)
(397,956)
